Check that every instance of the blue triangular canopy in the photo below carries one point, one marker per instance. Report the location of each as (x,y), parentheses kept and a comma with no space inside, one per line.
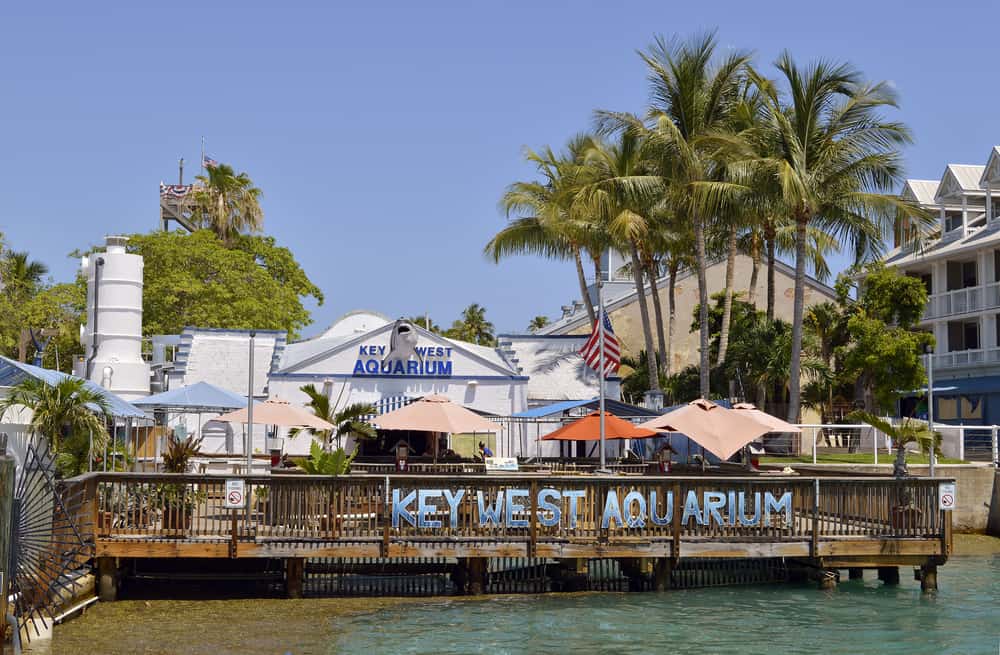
(13,372)
(200,396)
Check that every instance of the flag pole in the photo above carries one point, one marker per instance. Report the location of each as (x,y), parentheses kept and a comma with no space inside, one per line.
(602,366)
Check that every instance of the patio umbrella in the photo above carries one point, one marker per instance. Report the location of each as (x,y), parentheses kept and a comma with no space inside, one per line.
(718,430)
(773,422)
(588,428)
(278,412)
(435,414)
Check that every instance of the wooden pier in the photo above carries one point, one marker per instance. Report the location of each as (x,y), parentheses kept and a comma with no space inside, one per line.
(820,524)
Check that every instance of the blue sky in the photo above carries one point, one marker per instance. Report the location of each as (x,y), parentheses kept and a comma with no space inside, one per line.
(383,134)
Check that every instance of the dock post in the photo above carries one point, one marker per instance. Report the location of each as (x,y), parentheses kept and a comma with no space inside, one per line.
(571,574)
(889,575)
(855,574)
(294,572)
(928,578)
(107,579)
(632,568)
(477,575)
(662,568)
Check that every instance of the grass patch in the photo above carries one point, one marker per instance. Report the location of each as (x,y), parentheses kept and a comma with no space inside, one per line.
(852,458)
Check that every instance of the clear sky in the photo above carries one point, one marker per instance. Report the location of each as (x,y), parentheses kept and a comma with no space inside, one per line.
(383,134)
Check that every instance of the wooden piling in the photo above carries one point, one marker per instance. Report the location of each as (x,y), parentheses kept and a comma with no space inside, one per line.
(107,579)
(662,568)
(889,575)
(294,572)
(855,574)
(928,578)
(477,575)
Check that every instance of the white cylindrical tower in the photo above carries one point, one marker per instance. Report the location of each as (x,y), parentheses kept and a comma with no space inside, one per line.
(112,338)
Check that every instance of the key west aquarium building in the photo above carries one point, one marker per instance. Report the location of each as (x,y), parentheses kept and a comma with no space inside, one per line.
(366,357)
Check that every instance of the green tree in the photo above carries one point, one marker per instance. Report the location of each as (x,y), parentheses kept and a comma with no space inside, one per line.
(836,162)
(426,323)
(71,416)
(348,421)
(227,202)
(473,327)
(538,323)
(884,349)
(906,432)
(20,277)
(195,280)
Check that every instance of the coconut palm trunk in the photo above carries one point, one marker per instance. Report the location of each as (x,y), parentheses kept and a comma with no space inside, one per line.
(647,332)
(657,312)
(754,272)
(671,317)
(727,304)
(794,370)
(769,246)
(703,367)
(584,293)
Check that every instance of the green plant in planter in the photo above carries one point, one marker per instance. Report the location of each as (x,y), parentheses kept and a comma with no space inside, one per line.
(321,462)
(176,499)
(908,431)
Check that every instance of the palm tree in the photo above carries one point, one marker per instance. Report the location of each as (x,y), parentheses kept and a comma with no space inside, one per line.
(70,415)
(348,421)
(836,162)
(906,432)
(694,98)
(544,222)
(227,203)
(19,277)
(624,192)
(473,326)
(426,323)
(538,323)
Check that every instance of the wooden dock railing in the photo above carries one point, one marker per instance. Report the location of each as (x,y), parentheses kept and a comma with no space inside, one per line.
(170,515)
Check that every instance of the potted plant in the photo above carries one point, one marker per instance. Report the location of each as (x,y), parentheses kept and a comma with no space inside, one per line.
(903,513)
(176,500)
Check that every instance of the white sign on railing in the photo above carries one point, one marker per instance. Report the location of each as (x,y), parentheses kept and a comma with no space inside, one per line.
(505,464)
(235,494)
(946,496)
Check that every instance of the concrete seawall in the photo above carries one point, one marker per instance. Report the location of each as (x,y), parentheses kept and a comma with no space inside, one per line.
(977,488)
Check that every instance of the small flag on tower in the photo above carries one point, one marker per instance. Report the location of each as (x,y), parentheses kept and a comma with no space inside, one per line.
(208,162)
(591,350)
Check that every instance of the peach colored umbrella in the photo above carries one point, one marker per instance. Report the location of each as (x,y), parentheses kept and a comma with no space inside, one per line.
(718,430)
(278,412)
(773,422)
(435,414)
(588,428)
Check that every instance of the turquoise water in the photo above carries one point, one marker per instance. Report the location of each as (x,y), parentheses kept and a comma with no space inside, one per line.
(858,617)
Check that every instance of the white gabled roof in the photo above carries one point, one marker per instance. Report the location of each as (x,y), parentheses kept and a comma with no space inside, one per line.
(991,172)
(959,178)
(923,191)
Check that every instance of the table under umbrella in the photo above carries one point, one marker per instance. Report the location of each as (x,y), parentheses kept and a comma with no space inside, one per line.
(435,414)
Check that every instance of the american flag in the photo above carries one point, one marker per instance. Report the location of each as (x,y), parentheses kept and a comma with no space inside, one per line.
(591,350)
(208,162)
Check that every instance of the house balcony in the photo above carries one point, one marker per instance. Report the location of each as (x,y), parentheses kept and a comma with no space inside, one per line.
(972,357)
(963,301)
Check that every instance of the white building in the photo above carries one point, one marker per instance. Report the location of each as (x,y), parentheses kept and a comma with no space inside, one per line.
(960,267)
(365,357)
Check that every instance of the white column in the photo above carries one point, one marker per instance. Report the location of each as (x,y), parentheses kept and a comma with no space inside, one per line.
(988,331)
(941,337)
(965,216)
(989,204)
(984,260)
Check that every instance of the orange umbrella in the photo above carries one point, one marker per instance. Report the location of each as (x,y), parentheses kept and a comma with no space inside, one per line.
(713,427)
(588,428)
(435,414)
(773,422)
(278,412)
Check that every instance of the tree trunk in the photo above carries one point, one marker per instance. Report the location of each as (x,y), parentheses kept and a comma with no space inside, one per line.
(584,293)
(795,369)
(598,274)
(647,332)
(769,244)
(699,243)
(755,256)
(657,312)
(671,318)
(727,304)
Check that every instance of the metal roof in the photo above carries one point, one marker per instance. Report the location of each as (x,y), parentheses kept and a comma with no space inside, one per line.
(200,396)
(923,191)
(13,372)
(616,407)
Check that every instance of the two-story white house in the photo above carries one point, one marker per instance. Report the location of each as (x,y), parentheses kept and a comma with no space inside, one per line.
(960,266)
